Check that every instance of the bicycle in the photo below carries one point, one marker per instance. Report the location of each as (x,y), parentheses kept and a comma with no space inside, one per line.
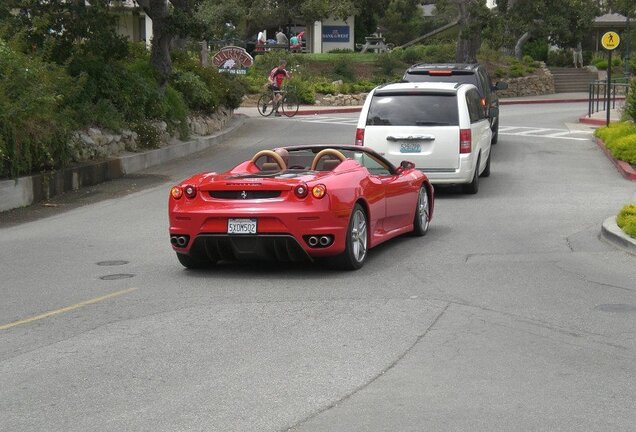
(289,104)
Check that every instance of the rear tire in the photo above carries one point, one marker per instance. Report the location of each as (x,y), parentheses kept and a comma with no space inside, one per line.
(495,133)
(421,221)
(356,241)
(193,261)
(486,171)
(473,187)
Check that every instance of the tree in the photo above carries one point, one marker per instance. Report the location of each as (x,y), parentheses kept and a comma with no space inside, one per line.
(63,31)
(474,17)
(563,23)
(169,19)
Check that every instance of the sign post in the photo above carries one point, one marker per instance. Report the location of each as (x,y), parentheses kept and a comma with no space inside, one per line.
(610,42)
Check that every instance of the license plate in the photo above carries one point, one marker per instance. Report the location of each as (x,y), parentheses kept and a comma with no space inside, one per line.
(241,226)
(410,147)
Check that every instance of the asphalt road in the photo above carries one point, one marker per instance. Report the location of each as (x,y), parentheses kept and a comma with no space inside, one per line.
(510,314)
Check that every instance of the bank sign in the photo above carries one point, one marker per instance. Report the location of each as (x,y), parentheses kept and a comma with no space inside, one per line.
(335,33)
(232,60)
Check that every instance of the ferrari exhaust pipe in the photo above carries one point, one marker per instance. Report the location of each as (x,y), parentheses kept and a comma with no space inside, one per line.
(182,241)
(313,241)
(173,240)
(324,240)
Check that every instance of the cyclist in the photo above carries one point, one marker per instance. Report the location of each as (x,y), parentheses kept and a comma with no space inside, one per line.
(275,79)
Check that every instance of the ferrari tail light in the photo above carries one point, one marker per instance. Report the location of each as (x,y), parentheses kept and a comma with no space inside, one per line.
(359,137)
(465,141)
(190,191)
(319,191)
(176,192)
(301,191)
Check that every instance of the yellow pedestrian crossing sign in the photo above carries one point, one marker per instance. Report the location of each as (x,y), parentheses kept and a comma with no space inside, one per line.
(610,40)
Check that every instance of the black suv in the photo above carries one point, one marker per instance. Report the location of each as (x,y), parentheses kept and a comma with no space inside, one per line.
(475,74)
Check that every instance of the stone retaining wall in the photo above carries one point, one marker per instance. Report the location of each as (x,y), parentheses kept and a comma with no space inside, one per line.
(533,85)
(95,143)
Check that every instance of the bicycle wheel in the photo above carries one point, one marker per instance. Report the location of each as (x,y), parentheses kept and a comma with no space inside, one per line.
(266,104)
(290,105)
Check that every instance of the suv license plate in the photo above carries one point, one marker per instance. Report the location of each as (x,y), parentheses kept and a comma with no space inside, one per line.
(241,226)
(410,147)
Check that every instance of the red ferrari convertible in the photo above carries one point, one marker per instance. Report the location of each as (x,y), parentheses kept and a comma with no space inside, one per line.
(298,203)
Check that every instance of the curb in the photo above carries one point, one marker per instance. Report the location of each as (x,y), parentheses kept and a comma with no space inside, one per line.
(350,109)
(24,191)
(611,233)
(539,101)
(623,167)
(594,122)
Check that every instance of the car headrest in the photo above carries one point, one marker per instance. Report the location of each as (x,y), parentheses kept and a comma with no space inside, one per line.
(270,166)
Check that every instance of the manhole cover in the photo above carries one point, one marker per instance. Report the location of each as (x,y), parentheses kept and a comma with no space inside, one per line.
(117,276)
(112,263)
(618,308)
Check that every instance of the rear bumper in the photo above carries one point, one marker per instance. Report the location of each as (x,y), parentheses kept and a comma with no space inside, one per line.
(461,175)
(280,235)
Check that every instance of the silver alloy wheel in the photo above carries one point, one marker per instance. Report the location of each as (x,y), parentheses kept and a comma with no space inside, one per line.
(422,209)
(359,236)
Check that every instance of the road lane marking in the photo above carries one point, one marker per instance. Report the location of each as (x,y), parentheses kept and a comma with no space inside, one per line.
(66,309)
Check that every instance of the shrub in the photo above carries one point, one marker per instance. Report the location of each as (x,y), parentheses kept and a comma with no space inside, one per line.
(527,60)
(147,135)
(343,69)
(195,92)
(601,64)
(559,58)
(304,90)
(325,87)
(35,124)
(537,49)
(626,219)
(630,103)
(388,62)
(620,140)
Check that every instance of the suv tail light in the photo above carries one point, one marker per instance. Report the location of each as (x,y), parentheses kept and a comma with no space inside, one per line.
(359,137)
(465,141)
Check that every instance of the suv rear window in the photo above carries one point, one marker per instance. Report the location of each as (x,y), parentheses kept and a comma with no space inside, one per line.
(420,109)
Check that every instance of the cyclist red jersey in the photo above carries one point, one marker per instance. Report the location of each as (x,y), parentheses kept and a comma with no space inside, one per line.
(278,75)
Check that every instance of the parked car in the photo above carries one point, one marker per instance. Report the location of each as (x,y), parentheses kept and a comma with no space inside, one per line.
(298,203)
(441,127)
(475,74)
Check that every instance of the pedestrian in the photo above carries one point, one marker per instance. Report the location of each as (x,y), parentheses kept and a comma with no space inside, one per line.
(260,41)
(577,55)
(281,38)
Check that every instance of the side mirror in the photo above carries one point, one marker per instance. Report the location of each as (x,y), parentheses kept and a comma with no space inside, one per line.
(404,166)
(501,85)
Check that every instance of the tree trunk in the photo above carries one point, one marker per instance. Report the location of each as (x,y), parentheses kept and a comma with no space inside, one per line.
(469,39)
(520,43)
(160,53)
(157,11)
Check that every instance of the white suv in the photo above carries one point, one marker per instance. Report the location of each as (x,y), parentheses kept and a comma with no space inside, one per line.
(441,127)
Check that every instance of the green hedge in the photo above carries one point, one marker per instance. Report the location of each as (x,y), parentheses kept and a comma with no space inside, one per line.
(620,140)
(626,219)
(35,119)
